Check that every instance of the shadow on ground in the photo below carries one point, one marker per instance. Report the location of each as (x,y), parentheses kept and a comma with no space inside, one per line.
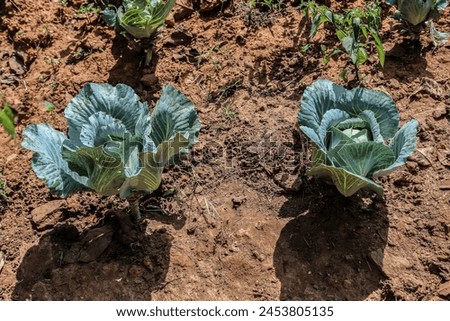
(115,260)
(323,253)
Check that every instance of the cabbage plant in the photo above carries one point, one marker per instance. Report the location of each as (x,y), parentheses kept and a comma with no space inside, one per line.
(140,18)
(356,135)
(417,12)
(114,145)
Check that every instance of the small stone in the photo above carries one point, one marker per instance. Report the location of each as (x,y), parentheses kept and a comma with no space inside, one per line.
(444,158)
(347,284)
(259,256)
(179,56)
(41,215)
(198,189)
(191,230)
(439,112)
(388,263)
(395,84)
(412,166)
(10,158)
(16,65)
(349,258)
(444,290)
(237,201)
(149,80)
(234,248)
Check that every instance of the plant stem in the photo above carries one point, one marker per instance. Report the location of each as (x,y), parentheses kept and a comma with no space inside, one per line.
(133,202)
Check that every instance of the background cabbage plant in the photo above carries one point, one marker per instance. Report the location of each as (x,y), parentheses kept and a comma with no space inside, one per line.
(356,135)
(140,18)
(417,12)
(114,144)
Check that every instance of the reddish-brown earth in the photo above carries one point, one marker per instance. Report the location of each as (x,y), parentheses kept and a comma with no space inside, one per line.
(244,223)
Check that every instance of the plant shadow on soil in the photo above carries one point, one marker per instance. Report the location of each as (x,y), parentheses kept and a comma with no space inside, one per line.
(323,253)
(128,68)
(406,61)
(114,260)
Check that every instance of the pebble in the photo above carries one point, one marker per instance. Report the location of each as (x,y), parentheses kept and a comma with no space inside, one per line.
(388,263)
(259,256)
(41,214)
(439,112)
(237,201)
(149,80)
(444,290)
(412,166)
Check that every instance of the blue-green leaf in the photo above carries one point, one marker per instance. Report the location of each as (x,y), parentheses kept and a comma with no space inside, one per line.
(346,182)
(439,38)
(338,138)
(153,164)
(362,159)
(330,119)
(119,102)
(441,4)
(317,99)
(105,172)
(110,16)
(383,107)
(48,162)
(402,145)
(100,129)
(369,117)
(314,137)
(174,113)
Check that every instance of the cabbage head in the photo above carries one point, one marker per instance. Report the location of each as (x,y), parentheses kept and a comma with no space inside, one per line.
(140,18)
(114,145)
(356,135)
(418,11)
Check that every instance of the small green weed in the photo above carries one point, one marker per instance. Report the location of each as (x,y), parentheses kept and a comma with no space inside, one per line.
(89,8)
(3,197)
(265,4)
(229,112)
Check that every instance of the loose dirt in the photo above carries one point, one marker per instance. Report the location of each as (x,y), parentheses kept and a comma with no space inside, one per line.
(238,219)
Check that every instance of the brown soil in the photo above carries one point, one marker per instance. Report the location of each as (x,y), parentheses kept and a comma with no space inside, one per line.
(244,223)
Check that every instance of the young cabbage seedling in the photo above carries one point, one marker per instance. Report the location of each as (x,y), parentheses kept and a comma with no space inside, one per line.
(114,146)
(421,12)
(356,135)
